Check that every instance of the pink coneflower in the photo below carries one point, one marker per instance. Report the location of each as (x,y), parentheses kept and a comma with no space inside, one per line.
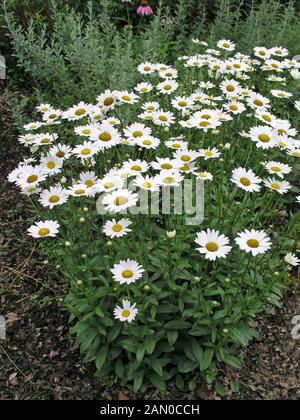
(144,9)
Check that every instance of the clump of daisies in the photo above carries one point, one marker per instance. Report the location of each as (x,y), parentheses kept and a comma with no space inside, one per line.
(155,297)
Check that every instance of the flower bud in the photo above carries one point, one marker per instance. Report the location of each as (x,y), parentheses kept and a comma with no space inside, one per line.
(171,234)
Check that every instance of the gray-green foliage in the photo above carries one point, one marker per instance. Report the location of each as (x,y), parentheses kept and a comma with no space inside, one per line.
(75,55)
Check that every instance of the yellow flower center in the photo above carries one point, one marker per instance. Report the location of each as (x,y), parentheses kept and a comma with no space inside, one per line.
(274,65)
(105,136)
(169,180)
(182,103)
(127,274)
(185,158)
(264,138)
(233,107)
(79,112)
(60,154)
(147,142)
(168,74)
(117,228)
(296,154)
(206,116)
(176,146)
(126,98)
(44,109)
(86,131)
(120,201)
(137,134)
(86,151)
(89,183)
(150,108)
(31,179)
(79,192)
(245,182)
(230,88)
(208,154)
(167,87)
(163,118)
(108,185)
(166,166)
(281,131)
(125,313)
(147,185)
(45,140)
(44,232)
(212,247)
(51,165)
(237,66)
(267,118)
(226,45)
(253,243)
(275,169)
(258,102)
(261,52)
(54,199)
(108,101)
(136,168)
(147,68)
(52,116)
(144,90)
(275,186)
(204,124)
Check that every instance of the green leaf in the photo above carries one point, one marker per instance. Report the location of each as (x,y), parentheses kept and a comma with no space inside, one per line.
(207,359)
(138,377)
(140,353)
(220,389)
(150,343)
(172,337)
(197,350)
(119,369)
(157,382)
(100,359)
(177,325)
(156,366)
(179,382)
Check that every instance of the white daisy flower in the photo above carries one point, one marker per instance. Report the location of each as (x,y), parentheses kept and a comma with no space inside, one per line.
(167,87)
(254,241)
(246,179)
(45,139)
(262,52)
(212,244)
(110,183)
(150,106)
(291,259)
(32,126)
(127,272)
(147,68)
(51,164)
(84,130)
(168,73)
(117,229)
(165,164)
(225,44)
(204,176)
(120,200)
(89,179)
(257,101)
(81,190)
(126,313)
(282,187)
(86,150)
(281,93)
(136,130)
(27,139)
(147,183)
(176,144)
(30,176)
(106,136)
(126,97)
(55,196)
(209,153)
(186,156)
(61,151)
(107,100)
(169,178)
(230,87)
(163,118)
(135,167)
(277,168)
(48,228)
(265,137)
(43,108)
(235,107)
(143,88)
(182,103)
(147,142)
(77,112)
(52,116)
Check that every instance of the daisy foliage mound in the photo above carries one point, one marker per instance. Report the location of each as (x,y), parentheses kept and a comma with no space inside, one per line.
(155,298)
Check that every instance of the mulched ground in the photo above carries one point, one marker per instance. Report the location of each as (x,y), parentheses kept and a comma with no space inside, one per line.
(38,360)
